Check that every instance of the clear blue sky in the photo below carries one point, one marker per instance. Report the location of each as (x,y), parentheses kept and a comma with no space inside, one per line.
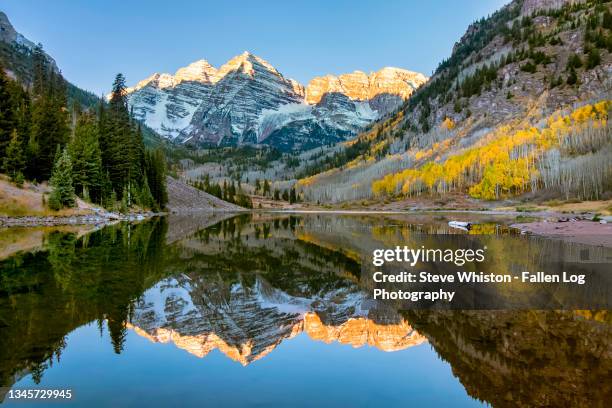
(93,40)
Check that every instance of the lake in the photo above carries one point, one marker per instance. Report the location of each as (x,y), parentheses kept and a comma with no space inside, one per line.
(270,309)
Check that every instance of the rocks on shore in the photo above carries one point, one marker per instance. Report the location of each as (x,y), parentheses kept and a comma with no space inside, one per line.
(581,231)
(99,217)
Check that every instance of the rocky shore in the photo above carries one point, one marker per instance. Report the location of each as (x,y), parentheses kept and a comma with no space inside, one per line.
(96,218)
(580,231)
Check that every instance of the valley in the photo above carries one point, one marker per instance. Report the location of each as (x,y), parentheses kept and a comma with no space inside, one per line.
(219,233)
(502,123)
(515,119)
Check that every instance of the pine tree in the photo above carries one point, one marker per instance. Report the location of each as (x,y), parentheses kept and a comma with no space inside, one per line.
(572,78)
(49,124)
(61,181)
(40,68)
(118,143)
(292,196)
(7,113)
(144,196)
(86,158)
(266,188)
(593,59)
(137,156)
(14,161)
(155,169)
(108,195)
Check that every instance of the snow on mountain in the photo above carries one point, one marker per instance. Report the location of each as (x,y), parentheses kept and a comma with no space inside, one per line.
(247,322)
(246,86)
(248,101)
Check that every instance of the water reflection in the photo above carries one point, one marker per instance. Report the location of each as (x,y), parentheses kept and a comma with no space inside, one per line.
(246,322)
(243,285)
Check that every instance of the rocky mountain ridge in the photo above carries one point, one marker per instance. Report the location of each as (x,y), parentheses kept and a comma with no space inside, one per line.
(247,323)
(388,83)
(16,58)
(247,100)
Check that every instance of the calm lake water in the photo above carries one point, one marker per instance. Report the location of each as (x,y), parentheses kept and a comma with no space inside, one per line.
(274,310)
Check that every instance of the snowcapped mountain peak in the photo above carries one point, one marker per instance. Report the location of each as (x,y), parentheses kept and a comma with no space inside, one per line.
(200,71)
(360,86)
(247,100)
(248,64)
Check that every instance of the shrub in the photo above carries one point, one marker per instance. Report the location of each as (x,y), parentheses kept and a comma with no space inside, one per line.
(529,67)
(594,59)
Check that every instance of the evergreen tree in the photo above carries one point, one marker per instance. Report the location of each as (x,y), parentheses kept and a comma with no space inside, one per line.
(7,119)
(61,181)
(243,200)
(572,78)
(118,143)
(123,153)
(573,61)
(14,161)
(108,195)
(49,124)
(144,196)
(593,59)
(103,136)
(137,157)
(292,196)
(40,68)
(266,188)
(86,158)
(155,167)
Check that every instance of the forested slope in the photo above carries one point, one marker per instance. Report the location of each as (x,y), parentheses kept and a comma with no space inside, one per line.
(521,105)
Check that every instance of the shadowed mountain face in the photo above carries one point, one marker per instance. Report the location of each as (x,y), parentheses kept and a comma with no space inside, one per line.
(243,285)
(248,101)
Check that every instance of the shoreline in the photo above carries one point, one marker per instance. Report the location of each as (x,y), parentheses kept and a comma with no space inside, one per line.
(579,231)
(98,219)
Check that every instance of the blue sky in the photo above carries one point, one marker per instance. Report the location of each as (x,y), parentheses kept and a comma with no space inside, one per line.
(93,40)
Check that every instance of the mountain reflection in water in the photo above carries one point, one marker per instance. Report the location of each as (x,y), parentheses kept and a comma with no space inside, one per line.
(244,284)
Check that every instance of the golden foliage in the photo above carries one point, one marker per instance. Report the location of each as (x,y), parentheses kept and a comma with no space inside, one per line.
(448,124)
(504,164)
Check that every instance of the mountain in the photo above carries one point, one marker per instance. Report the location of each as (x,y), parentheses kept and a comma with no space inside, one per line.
(16,54)
(247,323)
(385,89)
(247,101)
(482,125)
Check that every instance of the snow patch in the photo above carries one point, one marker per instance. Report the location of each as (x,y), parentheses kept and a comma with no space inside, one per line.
(155,298)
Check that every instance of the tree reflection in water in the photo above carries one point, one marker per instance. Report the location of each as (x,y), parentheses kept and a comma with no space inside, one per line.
(244,284)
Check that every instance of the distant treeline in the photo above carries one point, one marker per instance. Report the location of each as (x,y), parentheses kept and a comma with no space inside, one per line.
(228,191)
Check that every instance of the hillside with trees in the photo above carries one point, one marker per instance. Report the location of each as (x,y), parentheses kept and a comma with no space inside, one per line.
(19,57)
(520,107)
(96,154)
